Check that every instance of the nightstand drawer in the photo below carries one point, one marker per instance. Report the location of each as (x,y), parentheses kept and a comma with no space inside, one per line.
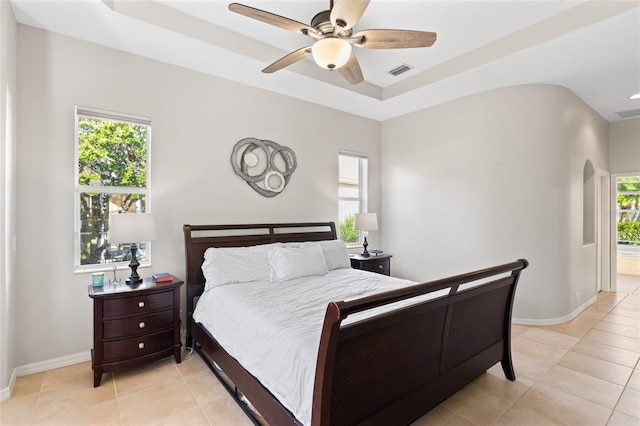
(137,346)
(380,264)
(137,304)
(139,324)
(381,267)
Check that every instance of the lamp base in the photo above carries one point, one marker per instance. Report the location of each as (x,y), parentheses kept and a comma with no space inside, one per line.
(134,279)
(365,253)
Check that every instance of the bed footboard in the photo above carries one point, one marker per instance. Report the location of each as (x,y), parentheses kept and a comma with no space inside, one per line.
(394,367)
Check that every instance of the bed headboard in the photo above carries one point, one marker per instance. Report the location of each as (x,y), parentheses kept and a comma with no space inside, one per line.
(198,238)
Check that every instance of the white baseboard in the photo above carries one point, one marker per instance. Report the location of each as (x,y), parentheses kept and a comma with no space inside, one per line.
(6,392)
(555,321)
(39,367)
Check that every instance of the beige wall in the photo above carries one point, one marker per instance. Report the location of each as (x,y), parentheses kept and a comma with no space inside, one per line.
(624,146)
(489,179)
(196,120)
(8,140)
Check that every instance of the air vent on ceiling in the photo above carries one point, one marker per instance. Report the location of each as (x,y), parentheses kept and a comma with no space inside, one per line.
(399,70)
(628,113)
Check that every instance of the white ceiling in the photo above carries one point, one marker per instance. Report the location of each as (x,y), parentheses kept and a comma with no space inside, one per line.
(590,47)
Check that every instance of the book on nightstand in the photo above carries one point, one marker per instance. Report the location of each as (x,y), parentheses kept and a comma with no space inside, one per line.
(162,277)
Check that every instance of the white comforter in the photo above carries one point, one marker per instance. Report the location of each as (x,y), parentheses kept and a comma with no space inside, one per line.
(273,328)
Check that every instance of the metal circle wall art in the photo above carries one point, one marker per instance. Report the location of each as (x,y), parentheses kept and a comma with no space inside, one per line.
(264,165)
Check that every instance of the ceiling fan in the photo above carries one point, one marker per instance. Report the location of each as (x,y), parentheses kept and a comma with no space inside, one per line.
(332,31)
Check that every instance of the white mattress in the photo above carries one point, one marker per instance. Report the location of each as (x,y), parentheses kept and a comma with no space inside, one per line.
(273,329)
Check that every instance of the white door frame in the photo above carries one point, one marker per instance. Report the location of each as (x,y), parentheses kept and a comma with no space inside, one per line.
(614,230)
(603,229)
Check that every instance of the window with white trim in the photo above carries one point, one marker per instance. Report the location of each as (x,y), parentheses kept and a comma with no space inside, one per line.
(352,194)
(112,176)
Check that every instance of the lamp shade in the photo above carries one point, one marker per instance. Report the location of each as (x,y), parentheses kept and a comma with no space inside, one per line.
(365,221)
(131,227)
(331,52)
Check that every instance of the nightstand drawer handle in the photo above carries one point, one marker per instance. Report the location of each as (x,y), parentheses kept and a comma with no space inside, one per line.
(380,266)
(141,324)
(140,345)
(140,304)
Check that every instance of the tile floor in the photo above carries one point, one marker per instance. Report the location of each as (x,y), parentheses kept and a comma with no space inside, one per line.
(584,372)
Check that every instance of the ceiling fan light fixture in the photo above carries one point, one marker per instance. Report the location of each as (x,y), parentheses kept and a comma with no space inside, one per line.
(331,52)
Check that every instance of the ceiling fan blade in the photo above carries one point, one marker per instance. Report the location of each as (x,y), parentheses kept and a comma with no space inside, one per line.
(285,61)
(393,39)
(351,71)
(346,13)
(272,19)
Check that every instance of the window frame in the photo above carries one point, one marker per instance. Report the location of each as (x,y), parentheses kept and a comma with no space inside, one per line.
(81,111)
(363,189)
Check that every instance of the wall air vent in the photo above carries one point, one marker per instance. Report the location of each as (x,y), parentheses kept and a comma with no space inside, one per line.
(629,113)
(401,69)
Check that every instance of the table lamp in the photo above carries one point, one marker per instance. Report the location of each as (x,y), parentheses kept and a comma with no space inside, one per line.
(132,228)
(365,222)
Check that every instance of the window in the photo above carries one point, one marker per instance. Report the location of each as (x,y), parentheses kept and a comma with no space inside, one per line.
(628,217)
(112,159)
(352,193)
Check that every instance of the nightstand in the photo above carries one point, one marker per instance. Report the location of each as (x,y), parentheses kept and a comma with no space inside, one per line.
(380,263)
(134,325)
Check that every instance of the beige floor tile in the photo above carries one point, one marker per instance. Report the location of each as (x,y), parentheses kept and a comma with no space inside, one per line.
(570,329)
(633,298)
(634,381)
(597,315)
(517,330)
(225,412)
(608,353)
(605,370)
(545,405)
(496,370)
(630,303)
(19,410)
(603,309)
(622,330)
(586,321)
(530,367)
(536,349)
(61,377)
(99,414)
(500,387)
(146,376)
(152,405)
(59,402)
(191,363)
(621,419)
(191,416)
(629,403)
(610,298)
(542,335)
(28,385)
(205,387)
(475,404)
(617,319)
(614,340)
(631,313)
(582,385)
(442,416)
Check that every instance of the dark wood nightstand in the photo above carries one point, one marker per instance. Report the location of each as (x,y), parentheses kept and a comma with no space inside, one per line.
(134,325)
(380,263)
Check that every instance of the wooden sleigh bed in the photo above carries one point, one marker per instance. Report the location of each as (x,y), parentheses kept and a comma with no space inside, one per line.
(390,368)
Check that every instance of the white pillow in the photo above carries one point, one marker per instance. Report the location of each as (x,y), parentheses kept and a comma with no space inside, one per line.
(335,253)
(226,265)
(287,263)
